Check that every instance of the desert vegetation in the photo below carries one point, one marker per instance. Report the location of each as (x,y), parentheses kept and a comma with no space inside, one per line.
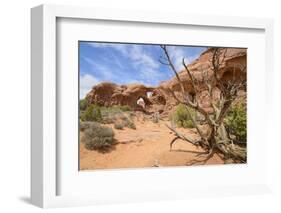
(197,117)
(92,113)
(236,123)
(96,136)
(217,138)
(182,118)
(93,120)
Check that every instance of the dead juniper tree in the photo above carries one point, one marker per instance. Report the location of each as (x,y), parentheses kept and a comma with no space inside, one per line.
(217,138)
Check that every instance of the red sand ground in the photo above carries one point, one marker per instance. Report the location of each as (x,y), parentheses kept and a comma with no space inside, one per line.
(147,146)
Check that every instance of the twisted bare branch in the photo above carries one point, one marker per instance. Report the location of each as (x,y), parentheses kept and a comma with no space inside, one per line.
(217,139)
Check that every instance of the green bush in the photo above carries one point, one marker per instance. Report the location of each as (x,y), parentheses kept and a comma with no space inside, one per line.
(118,125)
(187,124)
(182,118)
(125,108)
(236,122)
(98,137)
(92,113)
(115,109)
(83,104)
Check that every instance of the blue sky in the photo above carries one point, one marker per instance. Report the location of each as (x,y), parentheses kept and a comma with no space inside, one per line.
(128,63)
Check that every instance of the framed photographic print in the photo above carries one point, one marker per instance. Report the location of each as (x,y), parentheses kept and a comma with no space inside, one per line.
(129,106)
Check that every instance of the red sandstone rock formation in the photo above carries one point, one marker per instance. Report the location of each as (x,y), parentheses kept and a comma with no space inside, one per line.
(109,94)
(235,60)
(161,100)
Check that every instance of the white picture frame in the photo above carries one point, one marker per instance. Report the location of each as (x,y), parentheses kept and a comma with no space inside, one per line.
(44,150)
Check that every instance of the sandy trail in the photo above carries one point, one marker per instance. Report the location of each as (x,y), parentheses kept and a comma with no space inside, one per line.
(147,146)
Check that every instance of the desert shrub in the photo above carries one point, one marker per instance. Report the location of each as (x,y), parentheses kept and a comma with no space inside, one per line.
(131,124)
(155,118)
(92,113)
(121,116)
(125,108)
(108,119)
(127,122)
(187,124)
(109,114)
(98,137)
(182,118)
(112,117)
(118,125)
(115,109)
(109,110)
(118,118)
(113,113)
(83,104)
(84,125)
(236,122)
(131,114)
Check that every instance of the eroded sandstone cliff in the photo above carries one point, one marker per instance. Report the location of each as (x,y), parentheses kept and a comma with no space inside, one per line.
(159,99)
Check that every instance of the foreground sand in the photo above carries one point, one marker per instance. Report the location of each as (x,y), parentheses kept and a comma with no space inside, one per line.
(147,146)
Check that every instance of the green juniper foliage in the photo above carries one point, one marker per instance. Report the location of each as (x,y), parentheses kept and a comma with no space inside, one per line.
(236,122)
(83,104)
(92,113)
(182,118)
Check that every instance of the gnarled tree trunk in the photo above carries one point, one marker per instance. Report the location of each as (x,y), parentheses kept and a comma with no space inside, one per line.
(217,139)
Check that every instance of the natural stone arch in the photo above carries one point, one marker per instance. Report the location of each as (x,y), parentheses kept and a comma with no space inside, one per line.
(143,100)
(140,102)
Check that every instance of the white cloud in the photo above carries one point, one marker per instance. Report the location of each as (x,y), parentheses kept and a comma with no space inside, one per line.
(116,62)
(123,48)
(102,68)
(140,59)
(144,63)
(87,81)
(133,52)
(178,53)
